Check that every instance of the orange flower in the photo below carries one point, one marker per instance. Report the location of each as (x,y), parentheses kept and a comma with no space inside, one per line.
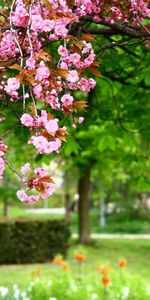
(122,263)
(105,270)
(65,268)
(105,281)
(80,257)
(37,272)
(58,260)
(98,267)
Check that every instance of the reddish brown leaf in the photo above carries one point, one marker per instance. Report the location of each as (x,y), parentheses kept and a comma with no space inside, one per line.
(24,78)
(47,4)
(70,3)
(50,116)
(70,37)
(45,56)
(61,72)
(17,67)
(46,179)
(95,71)
(79,44)
(88,38)
(40,187)
(95,64)
(61,134)
(27,2)
(79,104)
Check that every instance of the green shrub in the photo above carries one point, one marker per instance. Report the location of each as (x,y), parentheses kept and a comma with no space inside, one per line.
(32,240)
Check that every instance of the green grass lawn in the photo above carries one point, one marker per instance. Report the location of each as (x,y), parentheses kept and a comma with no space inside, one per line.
(16,211)
(113,223)
(137,252)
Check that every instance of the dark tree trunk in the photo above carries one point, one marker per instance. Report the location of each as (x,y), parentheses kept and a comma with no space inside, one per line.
(67,207)
(5,209)
(84,207)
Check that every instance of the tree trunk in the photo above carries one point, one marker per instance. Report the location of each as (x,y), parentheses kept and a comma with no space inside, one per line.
(84,207)
(5,209)
(67,207)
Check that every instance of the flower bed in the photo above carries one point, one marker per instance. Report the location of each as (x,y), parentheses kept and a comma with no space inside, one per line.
(73,282)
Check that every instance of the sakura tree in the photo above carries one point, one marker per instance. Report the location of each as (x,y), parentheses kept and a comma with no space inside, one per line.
(43,81)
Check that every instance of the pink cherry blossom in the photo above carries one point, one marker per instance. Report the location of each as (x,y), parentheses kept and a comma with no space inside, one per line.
(21,194)
(48,191)
(52,126)
(40,172)
(48,25)
(13,84)
(25,168)
(63,51)
(2,166)
(21,16)
(8,46)
(30,62)
(67,99)
(40,143)
(72,76)
(3,150)
(27,120)
(80,120)
(55,145)
(42,71)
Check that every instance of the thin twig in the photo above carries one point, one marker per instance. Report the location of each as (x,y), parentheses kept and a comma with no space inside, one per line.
(12,169)
(34,104)
(9,131)
(146,29)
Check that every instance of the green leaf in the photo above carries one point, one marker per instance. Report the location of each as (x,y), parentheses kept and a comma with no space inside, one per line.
(107,142)
(71,147)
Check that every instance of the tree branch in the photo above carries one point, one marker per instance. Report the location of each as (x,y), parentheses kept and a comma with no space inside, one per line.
(117,28)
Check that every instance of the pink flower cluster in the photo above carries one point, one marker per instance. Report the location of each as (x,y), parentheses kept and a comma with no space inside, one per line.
(88,7)
(3,150)
(112,10)
(43,146)
(81,59)
(8,47)
(39,181)
(45,140)
(23,197)
(139,10)
(84,84)
(20,16)
(11,87)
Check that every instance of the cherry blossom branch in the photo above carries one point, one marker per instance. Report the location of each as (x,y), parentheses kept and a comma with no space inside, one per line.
(145,28)
(117,44)
(118,28)
(34,104)
(28,28)
(12,169)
